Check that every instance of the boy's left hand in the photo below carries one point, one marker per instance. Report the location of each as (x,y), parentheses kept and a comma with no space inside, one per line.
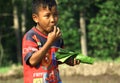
(72,61)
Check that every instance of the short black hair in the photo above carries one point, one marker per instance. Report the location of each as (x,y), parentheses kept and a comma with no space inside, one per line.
(36,4)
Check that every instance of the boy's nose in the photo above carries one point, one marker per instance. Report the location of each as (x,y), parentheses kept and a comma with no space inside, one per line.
(52,19)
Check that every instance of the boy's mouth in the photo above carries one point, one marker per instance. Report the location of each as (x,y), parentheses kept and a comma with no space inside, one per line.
(51,28)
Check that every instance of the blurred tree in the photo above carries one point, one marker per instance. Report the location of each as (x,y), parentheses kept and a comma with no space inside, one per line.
(75,12)
(12,26)
(1,51)
(5,31)
(23,16)
(17,29)
(98,20)
(104,30)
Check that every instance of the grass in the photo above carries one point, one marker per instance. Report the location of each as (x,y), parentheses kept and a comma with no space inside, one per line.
(117,60)
(4,69)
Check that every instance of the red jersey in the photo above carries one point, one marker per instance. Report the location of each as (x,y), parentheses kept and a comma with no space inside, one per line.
(47,70)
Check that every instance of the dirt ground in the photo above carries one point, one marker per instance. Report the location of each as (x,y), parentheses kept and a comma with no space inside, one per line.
(78,79)
(92,79)
(100,72)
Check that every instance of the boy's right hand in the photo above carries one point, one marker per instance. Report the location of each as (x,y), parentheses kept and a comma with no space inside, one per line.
(54,35)
(72,61)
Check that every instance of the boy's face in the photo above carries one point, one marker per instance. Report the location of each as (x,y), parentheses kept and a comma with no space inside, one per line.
(46,19)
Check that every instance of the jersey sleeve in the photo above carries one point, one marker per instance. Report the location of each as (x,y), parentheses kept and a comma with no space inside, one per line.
(29,46)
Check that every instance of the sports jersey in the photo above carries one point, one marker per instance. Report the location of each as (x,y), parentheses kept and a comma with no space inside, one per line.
(47,70)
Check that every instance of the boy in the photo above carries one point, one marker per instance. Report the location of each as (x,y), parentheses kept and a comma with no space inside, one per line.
(40,44)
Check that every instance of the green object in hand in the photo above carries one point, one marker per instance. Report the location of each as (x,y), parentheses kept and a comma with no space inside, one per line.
(85,59)
(62,55)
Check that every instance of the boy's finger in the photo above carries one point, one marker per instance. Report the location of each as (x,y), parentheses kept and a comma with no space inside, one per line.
(58,31)
(55,29)
(77,61)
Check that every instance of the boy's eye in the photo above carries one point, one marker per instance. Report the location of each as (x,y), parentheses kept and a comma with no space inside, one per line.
(56,14)
(47,15)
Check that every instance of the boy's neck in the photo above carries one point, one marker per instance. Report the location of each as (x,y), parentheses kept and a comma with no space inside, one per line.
(39,28)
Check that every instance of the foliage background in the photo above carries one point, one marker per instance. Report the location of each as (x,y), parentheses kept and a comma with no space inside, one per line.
(102,27)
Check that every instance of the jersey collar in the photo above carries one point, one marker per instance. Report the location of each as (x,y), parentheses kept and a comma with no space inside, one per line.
(40,33)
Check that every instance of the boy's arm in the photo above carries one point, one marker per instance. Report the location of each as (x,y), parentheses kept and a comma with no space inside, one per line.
(70,62)
(38,55)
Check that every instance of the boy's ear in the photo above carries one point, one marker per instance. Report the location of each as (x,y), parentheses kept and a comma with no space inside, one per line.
(35,18)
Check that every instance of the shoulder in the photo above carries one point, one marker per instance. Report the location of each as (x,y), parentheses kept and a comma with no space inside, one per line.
(29,34)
